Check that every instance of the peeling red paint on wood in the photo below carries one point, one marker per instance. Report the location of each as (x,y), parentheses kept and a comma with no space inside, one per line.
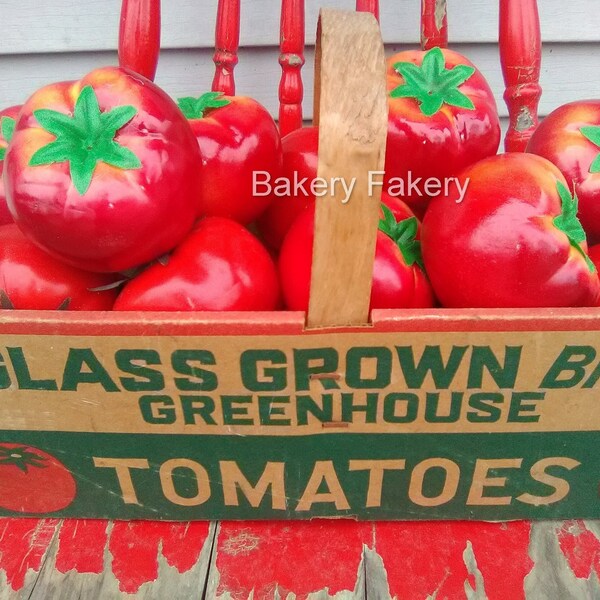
(135,548)
(23,545)
(581,548)
(301,557)
(81,546)
(424,558)
(183,542)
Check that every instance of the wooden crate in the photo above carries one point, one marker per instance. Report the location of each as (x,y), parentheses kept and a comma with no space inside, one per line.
(439,414)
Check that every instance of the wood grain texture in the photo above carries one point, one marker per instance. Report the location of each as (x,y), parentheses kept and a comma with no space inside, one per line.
(70,560)
(315,560)
(351,101)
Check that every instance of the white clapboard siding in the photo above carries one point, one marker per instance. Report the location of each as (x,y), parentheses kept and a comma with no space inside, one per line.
(78,25)
(189,72)
(44,41)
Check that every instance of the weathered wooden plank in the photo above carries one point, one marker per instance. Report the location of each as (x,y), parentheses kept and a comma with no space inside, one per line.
(42,559)
(25,545)
(36,26)
(184,73)
(315,560)
(474,561)
(566,558)
(139,559)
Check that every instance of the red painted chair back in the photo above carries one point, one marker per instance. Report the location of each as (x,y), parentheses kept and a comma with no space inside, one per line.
(519,41)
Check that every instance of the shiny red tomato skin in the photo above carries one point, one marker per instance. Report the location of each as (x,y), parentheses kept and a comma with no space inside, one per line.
(31,279)
(300,158)
(558,138)
(38,489)
(220,266)
(441,145)
(594,254)
(300,161)
(236,141)
(127,217)
(5,216)
(395,284)
(499,248)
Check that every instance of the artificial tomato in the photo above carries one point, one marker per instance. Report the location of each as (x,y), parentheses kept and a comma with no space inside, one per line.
(33,481)
(240,144)
(513,242)
(594,254)
(219,266)
(7,127)
(398,278)
(569,137)
(32,279)
(442,118)
(300,158)
(103,172)
(294,192)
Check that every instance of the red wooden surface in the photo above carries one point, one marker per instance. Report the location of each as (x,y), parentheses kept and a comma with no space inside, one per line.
(291,59)
(434,24)
(300,558)
(521,56)
(139,36)
(227,40)
(371,6)
(337,558)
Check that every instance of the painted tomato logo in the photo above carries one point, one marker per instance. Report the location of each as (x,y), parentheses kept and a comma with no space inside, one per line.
(33,481)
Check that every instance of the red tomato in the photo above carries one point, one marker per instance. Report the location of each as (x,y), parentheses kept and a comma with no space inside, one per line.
(514,240)
(594,254)
(300,158)
(32,279)
(237,138)
(300,162)
(398,281)
(7,125)
(442,118)
(33,481)
(103,173)
(569,137)
(219,266)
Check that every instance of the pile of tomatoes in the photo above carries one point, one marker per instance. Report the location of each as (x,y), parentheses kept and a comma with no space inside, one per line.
(115,196)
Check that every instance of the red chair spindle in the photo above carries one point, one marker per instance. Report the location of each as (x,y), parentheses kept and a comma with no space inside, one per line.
(227,41)
(371,6)
(291,59)
(434,24)
(521,57)
(139,36)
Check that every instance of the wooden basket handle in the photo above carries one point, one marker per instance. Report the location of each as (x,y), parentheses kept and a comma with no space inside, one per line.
(351,112)
(139,36)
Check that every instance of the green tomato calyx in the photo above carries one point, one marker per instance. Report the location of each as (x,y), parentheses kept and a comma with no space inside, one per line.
(569,224)
(432,85)
(195,108)
(404,235)
(85,139)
